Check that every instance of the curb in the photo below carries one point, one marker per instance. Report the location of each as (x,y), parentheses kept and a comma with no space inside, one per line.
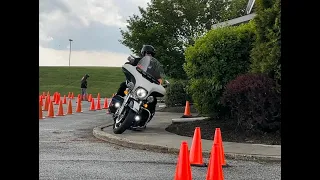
(110,138)
(181,120)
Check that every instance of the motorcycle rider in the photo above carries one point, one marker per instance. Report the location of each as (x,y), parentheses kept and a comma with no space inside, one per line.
(146,50)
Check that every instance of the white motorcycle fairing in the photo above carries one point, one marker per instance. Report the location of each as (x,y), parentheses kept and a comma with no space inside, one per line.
(134,76)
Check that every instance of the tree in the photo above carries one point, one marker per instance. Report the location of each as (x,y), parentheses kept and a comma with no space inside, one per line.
(156,28)
(171,26)
(235,8)
(266,54)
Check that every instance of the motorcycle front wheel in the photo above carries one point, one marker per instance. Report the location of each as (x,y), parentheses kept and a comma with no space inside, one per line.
(126,123)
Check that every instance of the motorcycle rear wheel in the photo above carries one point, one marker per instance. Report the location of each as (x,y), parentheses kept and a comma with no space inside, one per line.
(126,123)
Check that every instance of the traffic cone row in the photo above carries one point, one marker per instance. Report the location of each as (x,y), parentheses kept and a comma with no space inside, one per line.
(187,159)
(57,97)
(47,104)
(94,107)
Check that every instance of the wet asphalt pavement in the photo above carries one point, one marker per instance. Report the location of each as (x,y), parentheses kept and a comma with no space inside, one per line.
(68,150)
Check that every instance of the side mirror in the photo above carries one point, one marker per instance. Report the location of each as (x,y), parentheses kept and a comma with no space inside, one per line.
(129,58)
(166,83)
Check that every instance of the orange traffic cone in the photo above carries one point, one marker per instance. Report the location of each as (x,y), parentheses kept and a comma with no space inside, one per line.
(183,169)
(40,100)
(64,99)
(69,95)
(98,107)
(40,111)
(187,113)
(92,108)
(69,110)
(48,97)
(43,94)
(60,109)
(79,109)
(105,104)
(90,98)
(57,96)
(54,96)
(98,96)
(214,171)
(72,95)
(79,96)
(50,111)
(218,139)
(46,104)
(56,99)
(195,157)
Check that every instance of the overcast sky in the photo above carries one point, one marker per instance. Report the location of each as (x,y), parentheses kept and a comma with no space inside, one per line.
(93,25)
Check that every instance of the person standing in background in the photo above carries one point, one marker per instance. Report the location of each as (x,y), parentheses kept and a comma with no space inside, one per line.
(84,85)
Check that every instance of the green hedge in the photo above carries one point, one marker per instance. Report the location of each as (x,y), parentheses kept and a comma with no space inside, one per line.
(176,93)
(214,60)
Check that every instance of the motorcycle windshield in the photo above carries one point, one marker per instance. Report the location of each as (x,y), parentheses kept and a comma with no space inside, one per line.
(151,66)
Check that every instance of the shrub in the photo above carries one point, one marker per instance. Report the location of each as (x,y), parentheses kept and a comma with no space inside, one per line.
(254,103)
(214,60)
(176,93)
(266,53)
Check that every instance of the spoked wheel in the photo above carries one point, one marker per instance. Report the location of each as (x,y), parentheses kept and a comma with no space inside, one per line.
(125,122)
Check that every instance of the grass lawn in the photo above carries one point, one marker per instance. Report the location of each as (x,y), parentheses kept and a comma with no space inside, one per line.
(103,80)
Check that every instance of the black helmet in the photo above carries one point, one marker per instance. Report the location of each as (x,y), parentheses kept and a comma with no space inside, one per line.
(147,49)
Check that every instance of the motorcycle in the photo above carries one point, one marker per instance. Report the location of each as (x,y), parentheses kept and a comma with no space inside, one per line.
(143,85)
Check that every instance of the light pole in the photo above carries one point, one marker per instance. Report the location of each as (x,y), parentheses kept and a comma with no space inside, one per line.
(70,40)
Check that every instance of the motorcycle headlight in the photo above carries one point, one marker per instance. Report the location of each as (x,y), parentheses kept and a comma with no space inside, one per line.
(141,93)
(117,104)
